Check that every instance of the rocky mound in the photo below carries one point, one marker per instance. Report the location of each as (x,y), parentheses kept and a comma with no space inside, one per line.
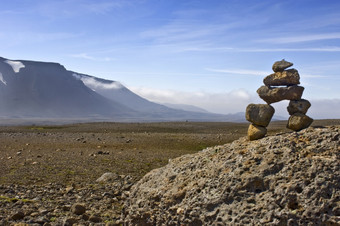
(287,179)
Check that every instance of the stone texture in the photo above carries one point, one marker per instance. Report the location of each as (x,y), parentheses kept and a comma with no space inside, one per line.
(286,179)
(272,95)
(256,132)
(283,78)
(281,65)
(299,121)
(259,114)
(298,106)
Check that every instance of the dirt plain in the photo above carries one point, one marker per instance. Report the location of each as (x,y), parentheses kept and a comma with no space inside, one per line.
(74,156)
(80,153)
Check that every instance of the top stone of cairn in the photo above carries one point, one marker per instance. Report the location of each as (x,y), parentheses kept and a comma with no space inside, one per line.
(281,65)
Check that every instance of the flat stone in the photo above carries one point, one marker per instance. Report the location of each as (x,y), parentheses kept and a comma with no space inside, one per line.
(95,219)
(272,95)
(281,65)
(18,216)
(107,177)
(283,78)
(259,114)
(299,121)
(71,221)
(298,106)
(256,132)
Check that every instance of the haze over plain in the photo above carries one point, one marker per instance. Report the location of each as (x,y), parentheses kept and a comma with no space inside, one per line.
(212,54)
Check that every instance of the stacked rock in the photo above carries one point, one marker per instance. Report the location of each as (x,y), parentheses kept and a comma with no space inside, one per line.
(283,84)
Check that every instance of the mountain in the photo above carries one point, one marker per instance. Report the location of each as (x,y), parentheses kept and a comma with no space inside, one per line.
(39,89)
(31,89)
(186,107)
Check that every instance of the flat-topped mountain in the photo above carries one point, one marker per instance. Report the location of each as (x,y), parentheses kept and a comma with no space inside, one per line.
(30,89)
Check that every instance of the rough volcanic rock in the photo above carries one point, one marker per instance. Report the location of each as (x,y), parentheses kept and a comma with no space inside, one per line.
(256,132)
(283,78)
(259,114)
(299,121)
(281,65)
(298,106)
(272,95)
(287,179)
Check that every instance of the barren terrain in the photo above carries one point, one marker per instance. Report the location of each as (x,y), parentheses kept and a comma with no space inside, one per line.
(65,161)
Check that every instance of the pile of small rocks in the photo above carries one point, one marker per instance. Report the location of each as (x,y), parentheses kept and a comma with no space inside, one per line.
(283,84)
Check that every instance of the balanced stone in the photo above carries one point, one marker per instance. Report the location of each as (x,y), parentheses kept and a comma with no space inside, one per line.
(256,132)
(298,106)
(272,95)
(259,114)
(283,78)
(281,65)
(299,121)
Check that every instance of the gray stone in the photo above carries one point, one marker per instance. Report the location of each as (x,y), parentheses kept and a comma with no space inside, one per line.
(70,221)
(256,132)
(299,121)
(78,208)
(283,78)
(95,219)
(298,106)
(272,95)
(259,114)
(281,65)
(18,216)
(107,177)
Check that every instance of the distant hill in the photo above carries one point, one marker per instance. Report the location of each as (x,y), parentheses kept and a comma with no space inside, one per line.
(30,89)
(186,107)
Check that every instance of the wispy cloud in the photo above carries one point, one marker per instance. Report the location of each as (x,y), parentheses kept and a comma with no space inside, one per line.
(302,38)
(65,8)
(28,37)
(95,84)
(316,49)
(199,47)
(183,31)
(88,57)
(240,71)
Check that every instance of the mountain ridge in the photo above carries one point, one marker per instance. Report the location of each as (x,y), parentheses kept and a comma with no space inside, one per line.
(34,89)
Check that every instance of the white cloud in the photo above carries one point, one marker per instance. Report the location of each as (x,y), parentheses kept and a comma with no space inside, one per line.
(302,38)
(224,103)
(88,57)
(16,65)
(202,48)
(239,71)
(95,84)
(235,101)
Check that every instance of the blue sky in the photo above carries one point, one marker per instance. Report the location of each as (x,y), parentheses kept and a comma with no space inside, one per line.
(213,54)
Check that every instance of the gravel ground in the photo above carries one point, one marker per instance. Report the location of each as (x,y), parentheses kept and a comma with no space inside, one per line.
(49,173)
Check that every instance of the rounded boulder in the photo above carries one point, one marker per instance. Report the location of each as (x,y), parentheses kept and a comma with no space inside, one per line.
(259,114)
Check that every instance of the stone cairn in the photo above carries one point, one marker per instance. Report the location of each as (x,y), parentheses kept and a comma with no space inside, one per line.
(281,85)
